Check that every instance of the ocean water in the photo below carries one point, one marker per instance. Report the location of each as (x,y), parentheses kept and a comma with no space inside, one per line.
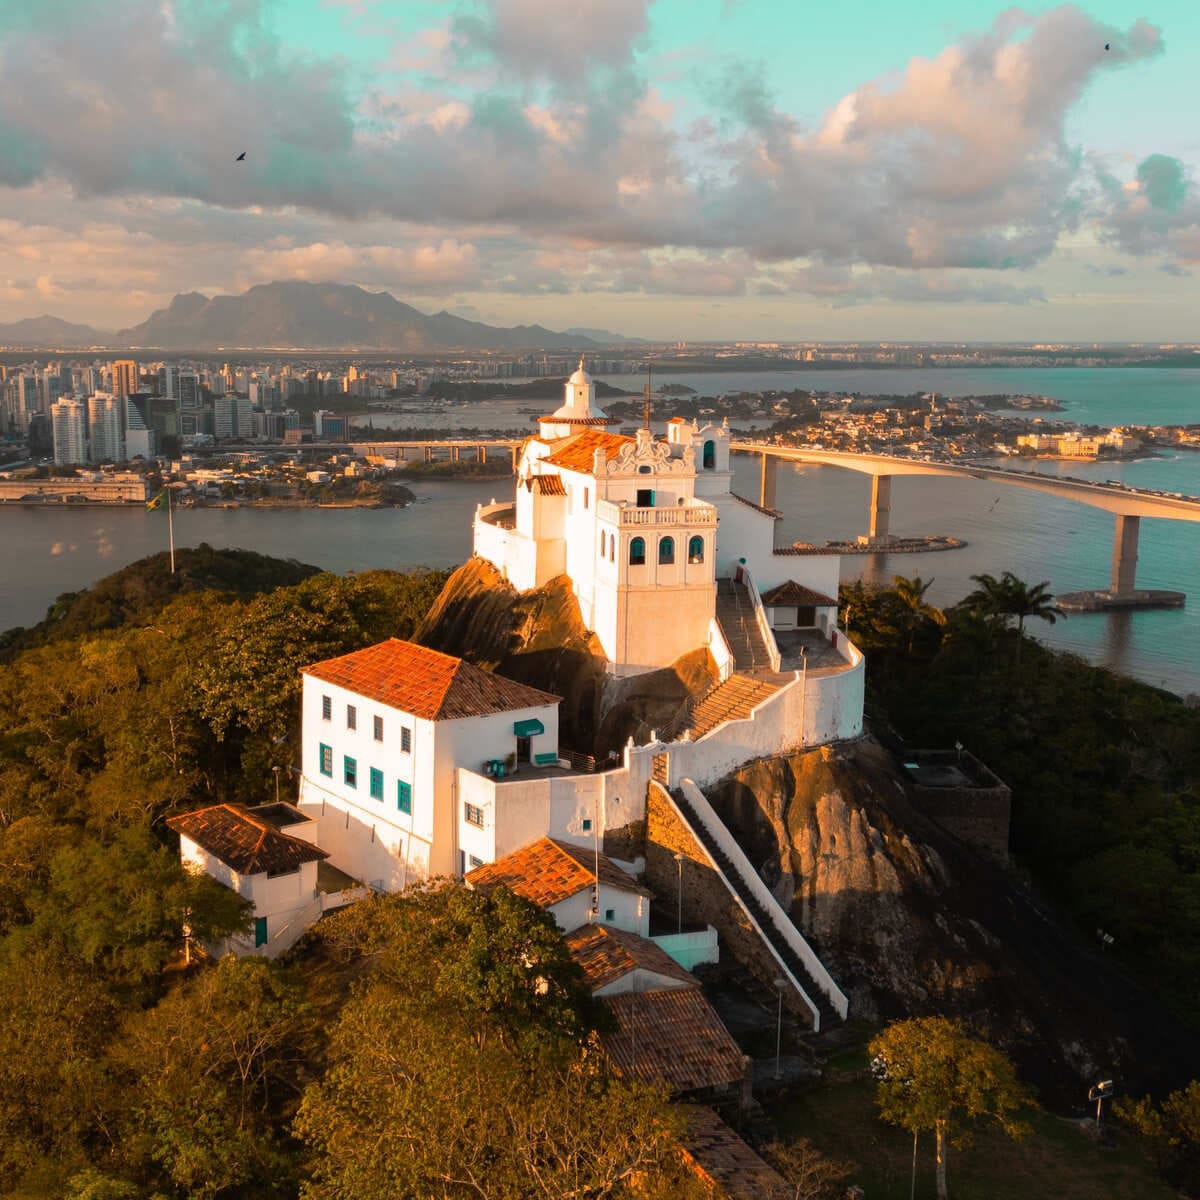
(45,552)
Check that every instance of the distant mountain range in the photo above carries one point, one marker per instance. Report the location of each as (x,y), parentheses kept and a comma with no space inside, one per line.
(300,316)
(51,332)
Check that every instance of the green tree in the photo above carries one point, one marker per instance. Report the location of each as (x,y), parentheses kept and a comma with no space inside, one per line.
(464,1064)
(933,1075)
(493,963)
(1171,1132)
(208,1076)
(55,1017)
(120,907)
(1009,596)
(917,614)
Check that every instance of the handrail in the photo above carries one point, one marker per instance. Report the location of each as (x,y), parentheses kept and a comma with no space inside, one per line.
(788,973)
(783,923)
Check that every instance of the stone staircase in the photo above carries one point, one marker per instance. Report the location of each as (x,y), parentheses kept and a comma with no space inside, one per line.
(733,700)
(766,921)
(739,624)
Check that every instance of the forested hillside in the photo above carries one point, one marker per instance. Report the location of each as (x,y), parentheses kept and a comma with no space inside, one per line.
(1104,771)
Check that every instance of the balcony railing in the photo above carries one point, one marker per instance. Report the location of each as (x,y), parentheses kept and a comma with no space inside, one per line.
(677,514)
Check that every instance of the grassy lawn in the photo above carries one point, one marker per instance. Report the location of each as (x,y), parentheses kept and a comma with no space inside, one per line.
(1055,1162)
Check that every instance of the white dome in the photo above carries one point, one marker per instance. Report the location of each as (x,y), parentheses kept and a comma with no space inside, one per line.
(580,401)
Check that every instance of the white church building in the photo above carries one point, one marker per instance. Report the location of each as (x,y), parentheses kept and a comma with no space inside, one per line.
(642,525)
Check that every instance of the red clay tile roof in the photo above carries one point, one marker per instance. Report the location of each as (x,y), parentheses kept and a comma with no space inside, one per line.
(245,843)
(548,485)
(796,593)
(577,453)
(767,512)
(548,871)
(674,1038)
(606,954)
(720,1157)
(426,683)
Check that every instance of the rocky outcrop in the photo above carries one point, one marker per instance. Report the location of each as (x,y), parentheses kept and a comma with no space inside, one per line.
(911,921)
(539,638)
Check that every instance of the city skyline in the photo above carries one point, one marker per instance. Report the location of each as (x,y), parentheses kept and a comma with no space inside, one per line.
(666,170)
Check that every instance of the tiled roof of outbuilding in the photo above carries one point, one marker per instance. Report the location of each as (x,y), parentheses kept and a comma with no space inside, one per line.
(717,1154)
(672,1037)
(426,683)
(549,871)
(246,844)
(606,954)
(792,592)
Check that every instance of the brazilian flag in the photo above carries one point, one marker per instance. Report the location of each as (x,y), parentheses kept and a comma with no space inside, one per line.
(159,501)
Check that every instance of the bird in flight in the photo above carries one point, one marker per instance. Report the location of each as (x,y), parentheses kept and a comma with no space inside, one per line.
(1108,45)
(242,157)
(994,503)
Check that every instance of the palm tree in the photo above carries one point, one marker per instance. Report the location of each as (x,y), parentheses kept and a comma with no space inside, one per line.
(916,613)
(1026,601)
(1009,596)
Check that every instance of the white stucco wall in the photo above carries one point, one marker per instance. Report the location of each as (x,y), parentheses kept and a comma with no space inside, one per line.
(521,809)
(821,572)
(815,708)
(641,980)
(630,910)
(374,840)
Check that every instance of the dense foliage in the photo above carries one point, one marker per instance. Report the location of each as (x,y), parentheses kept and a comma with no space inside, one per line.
(436,1044)
(1104,771)
(146,694)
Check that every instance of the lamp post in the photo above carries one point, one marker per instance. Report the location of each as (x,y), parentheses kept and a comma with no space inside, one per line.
(276,771)
(780,984)
(679,909)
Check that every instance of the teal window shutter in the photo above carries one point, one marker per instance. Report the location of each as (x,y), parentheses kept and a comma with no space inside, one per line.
(260,931)
(403,796)
(326,760)
(376,784)
(350,771)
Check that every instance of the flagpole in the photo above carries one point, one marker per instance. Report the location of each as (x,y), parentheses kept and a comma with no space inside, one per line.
(171,529)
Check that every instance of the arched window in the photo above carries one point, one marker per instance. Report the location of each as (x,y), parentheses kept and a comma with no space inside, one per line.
(637,552)
(710,455)
(696,549)
(666,550)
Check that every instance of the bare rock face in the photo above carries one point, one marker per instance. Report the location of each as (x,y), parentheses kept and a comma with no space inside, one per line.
(538,637)
(911,921)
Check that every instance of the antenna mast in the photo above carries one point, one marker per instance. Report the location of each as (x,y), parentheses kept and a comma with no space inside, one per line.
(646,400)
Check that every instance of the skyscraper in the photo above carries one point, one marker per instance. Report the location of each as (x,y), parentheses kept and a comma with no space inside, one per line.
(105,428)
(70,432)
(139,432)
(124,377)
(168,381)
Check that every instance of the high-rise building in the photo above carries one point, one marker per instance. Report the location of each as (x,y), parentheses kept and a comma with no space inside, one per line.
(168,380)
(105,428)
(139,428)
(70,432)
(233,416)
(124,374)
(28,398)
(189,394)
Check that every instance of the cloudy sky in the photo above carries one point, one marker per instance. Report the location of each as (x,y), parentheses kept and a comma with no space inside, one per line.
(667,168)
